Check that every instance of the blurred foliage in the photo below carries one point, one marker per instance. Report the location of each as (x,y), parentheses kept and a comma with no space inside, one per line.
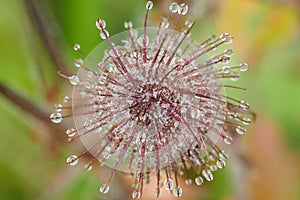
(267,35)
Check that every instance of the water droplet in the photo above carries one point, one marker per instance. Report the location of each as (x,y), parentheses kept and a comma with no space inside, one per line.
(104,189)
(246,121)
(227,139)
(226,70)
(229,52)
(128,24)
(223,155)
(102,80)
(169,184)
(177,192)
(65,99)
(243,67)
(188,23)
(136,195)
(72,160)
(74,80)
(188,181)
(235,76)
(78,62)
(89,124)
(221,163)
(225,59)
(164,22)
(89,74)
(88,167)
(173,7)
(76,47)
(213,168)
(149,5)
(244,105)
(57,107)
(71,132)
(212,37)
(199,180)
(207,174)
(240,130)
(99,23)
(140,41)
(226,38)
(104,34)
(56,118)
(183,9)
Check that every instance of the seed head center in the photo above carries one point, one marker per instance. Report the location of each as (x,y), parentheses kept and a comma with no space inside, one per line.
(150,101)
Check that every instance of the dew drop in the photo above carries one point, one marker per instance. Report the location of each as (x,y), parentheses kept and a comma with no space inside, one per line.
(212,37)
(89,74)
(225,59)
(207,175)
(227,139)
(235,76)
(140,41)
(244,105)
(223,155)
(104,189)
(76,47)
(188,181)
(78,62)
(136,195)
(221,163)
(99,23)
(213,168)
(188,23)
(74,80)
(57,107)
(169,184)
(128,24)
(72,160)
(183,9)
(243,67)
(56,118)
(88,167)
(199,180)
(173,7)
(246,121)
(71,132)
(226,69)
(164,22)
(65,99)
(240,130)
(89,124)
(229,52)
(149,5)
(104,34)
(226,38)
(177,192)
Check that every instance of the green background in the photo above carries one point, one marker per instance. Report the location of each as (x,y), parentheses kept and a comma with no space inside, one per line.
(264,163)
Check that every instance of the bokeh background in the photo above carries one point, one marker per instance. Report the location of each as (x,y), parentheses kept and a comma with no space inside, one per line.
(36,41)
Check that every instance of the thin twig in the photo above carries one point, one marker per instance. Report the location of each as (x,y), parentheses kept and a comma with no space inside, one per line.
(42,24)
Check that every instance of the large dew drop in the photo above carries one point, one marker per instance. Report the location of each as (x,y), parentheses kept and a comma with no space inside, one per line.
(56,118)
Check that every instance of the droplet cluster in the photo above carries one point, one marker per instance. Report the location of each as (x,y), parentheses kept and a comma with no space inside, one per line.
(152,102)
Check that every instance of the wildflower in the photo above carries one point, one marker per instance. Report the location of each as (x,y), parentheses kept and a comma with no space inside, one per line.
(151,101)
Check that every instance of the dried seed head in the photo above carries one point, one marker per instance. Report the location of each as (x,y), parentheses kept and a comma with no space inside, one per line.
(152,100)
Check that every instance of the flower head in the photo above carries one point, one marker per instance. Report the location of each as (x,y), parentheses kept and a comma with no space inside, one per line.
(151,101)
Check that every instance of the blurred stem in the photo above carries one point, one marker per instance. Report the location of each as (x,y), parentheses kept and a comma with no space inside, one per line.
(34,111)
(23,103)
(43,25)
